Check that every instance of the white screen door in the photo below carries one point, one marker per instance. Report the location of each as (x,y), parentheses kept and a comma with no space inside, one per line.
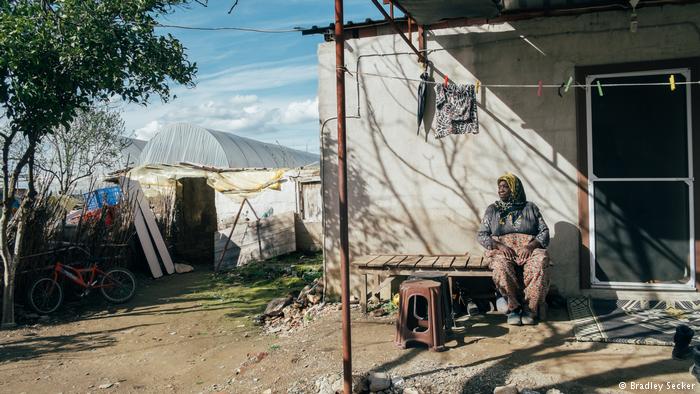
(640,181)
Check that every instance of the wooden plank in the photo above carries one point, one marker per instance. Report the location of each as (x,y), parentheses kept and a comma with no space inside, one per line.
(395,261)
(474,262)
(460,262)
(410,261)
(258,242)
(150,221)
(426,262)
(362,261)
(380,261)
(483,263)
(147,244)
(444,262)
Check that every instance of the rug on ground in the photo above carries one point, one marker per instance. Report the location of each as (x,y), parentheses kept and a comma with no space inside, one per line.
(639,322)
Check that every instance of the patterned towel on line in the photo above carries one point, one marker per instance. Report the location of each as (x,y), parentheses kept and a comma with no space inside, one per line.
(456,110)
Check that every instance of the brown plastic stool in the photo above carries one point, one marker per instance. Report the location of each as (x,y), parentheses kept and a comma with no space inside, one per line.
(420,315)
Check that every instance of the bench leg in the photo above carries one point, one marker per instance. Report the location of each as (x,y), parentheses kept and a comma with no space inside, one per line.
(363,295)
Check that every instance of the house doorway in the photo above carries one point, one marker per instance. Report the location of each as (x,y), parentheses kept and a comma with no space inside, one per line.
(640,180)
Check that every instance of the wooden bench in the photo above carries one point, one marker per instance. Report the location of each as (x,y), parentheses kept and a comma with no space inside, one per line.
(465,265)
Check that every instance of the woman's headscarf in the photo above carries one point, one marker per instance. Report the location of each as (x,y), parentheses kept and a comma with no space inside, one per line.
(516,202)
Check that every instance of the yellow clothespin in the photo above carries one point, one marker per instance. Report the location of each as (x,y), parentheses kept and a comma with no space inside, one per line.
(672,82)
(478,85)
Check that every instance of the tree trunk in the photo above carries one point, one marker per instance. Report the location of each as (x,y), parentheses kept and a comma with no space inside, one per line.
(8,296)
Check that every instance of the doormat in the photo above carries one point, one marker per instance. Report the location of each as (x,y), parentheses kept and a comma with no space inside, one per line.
(632,321)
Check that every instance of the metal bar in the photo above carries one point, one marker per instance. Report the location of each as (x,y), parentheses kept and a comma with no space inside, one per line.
(228,239)
(397,29)
(421,39)
(342,195)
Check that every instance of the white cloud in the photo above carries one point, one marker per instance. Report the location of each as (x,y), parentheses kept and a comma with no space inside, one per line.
(148,131)
(300,111)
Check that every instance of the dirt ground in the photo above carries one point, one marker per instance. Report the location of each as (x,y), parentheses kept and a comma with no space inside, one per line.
(169,338)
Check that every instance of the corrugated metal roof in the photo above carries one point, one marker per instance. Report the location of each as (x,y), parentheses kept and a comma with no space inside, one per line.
(185,142)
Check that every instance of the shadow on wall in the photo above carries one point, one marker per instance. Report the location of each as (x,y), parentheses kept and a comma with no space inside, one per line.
(361,222)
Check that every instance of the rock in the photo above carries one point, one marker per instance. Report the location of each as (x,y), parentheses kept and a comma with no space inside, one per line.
(105,386)
(411,390)
(183,268)
(379,381)
(509,389)
(275,307)
(313,298)
(268,391)
(360,384)
(554,391)
(528,391)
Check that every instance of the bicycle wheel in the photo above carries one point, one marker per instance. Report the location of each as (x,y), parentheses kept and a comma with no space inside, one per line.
(45,295)
(118,285)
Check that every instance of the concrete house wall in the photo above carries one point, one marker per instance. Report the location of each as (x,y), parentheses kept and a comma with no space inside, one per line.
(407,195)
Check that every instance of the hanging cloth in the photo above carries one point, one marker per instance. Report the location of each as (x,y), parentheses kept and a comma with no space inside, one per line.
(456,110)
(422,98)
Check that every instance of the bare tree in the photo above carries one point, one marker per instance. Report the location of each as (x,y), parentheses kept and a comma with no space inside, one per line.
(93,142)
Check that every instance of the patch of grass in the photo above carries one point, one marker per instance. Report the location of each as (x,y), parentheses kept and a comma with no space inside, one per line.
(247,290)
(275,347)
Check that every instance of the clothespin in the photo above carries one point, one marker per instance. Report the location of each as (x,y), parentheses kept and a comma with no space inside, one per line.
(478,85)
(447,80)
(539,88)
(672,82)
(600,88)
(568,84)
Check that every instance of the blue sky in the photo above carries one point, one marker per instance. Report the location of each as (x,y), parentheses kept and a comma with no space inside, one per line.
(261,86)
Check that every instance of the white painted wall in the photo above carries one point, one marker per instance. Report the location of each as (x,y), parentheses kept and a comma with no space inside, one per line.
(411,196)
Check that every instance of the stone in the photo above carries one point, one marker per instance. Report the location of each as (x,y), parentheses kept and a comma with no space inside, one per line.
(411,390)
(313,298)
(379,381)
(554,391)
(268,391)
(509,389)
(360,384)
(275,307)
(528,391)
(183,268)
(105,386)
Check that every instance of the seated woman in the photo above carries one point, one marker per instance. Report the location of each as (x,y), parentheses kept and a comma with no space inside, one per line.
(515,235)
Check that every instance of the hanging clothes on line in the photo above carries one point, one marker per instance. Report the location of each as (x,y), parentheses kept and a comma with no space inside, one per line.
(422,99)
(456,110)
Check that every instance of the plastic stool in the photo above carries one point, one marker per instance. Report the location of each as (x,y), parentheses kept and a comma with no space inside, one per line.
(420,315)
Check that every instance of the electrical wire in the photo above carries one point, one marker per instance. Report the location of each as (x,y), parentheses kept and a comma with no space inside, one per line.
(248,29)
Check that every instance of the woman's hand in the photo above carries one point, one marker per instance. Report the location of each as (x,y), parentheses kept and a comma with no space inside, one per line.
(507,251)
(526,251)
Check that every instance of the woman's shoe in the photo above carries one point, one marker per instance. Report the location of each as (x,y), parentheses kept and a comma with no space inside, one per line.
(514,318)
(527,318)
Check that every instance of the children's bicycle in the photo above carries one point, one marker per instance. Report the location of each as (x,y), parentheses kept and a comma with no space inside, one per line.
(117,285)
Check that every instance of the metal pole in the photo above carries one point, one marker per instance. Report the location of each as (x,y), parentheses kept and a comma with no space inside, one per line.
(342,196)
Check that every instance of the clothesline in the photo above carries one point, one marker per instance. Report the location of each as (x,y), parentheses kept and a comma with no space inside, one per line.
(576,85)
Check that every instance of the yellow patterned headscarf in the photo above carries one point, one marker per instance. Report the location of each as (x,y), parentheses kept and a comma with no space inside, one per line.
(517,192)
(513,207)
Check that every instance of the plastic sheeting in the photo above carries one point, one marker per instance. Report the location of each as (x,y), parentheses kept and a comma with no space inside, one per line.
(233,182)
(269,191)
(188,143)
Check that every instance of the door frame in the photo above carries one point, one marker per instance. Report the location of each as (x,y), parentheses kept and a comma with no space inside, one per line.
(584,156)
